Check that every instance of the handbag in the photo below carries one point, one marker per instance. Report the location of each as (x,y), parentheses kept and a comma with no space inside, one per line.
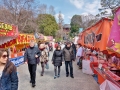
(46,65)
(38,60)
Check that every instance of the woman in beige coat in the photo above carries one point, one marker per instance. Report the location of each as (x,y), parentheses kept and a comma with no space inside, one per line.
(43,57)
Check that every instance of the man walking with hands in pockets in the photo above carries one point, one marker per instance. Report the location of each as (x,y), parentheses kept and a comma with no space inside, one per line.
(31,56)
(68,57)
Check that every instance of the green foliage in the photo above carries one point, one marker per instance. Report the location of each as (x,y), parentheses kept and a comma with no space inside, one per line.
(58,39)
(76,20)
(47,24)
(74,29)
(75,25)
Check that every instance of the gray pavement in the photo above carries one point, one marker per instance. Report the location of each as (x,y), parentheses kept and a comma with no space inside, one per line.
(47,82)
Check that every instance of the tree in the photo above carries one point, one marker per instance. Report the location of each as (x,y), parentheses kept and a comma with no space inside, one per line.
(42,9)
(82,21)
(76,20)
(47,24)
(18,12)
(74,29)
(110,4)
(51,10)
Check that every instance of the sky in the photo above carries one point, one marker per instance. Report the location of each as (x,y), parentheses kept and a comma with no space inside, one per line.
(69,8)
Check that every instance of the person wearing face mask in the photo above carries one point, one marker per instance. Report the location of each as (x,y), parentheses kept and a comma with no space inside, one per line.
(44,57)
(31,55)
(57,60)
(8,72)
(68,57)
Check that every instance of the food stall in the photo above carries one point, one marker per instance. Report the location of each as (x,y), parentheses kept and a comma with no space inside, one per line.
(21,41)
(7,32)
(98,37)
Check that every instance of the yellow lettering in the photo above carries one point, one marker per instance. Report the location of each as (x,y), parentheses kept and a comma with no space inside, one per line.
(6,27)
(2,33)
(2,27)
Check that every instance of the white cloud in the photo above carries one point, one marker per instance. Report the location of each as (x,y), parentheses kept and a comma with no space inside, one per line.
(56,15)
(78,3)
(69,17)
(92,7)
(85,14)
(87,6)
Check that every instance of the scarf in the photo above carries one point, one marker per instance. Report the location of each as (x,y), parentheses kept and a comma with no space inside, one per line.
(42,49)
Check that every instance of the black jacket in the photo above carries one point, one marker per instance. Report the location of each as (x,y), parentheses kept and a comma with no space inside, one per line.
(30,55)
(57,58)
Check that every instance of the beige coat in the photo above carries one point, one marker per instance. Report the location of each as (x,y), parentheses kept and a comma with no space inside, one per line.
(44,56)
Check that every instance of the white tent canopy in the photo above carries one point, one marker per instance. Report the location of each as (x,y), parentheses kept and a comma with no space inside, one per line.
(4,39)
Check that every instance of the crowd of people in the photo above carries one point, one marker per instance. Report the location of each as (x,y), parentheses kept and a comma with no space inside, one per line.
(66,52)
(35,55)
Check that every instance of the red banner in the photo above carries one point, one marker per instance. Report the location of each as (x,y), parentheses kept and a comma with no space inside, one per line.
(8,44)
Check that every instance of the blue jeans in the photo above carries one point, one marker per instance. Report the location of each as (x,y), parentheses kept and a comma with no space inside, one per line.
(71,67)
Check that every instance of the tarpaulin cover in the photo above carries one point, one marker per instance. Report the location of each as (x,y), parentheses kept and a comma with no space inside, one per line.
(86,67)
(96,37)
(107,85)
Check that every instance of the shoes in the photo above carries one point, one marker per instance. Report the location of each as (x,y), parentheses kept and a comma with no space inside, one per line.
(33,85)
(30,81)
(55,77)
(67,75)
(72,76)
(41,74)
(58,76)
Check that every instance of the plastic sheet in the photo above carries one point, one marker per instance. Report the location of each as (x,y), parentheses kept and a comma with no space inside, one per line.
(86,67)
(107,85)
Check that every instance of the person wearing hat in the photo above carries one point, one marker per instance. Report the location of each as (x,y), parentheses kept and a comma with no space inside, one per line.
(44,57)
(68,57)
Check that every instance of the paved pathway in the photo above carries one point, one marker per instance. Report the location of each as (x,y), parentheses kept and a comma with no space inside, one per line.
(47,82)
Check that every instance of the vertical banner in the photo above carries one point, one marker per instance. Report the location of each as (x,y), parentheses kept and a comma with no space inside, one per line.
(114,39)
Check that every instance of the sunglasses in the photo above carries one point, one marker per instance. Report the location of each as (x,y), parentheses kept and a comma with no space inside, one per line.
(5,56)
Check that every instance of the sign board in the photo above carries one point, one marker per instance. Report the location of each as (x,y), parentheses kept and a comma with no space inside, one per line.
(17,61)
(8,30)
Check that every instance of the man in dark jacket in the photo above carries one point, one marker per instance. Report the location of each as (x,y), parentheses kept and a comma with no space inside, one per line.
(68,57)
(74,48)
(31,55)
